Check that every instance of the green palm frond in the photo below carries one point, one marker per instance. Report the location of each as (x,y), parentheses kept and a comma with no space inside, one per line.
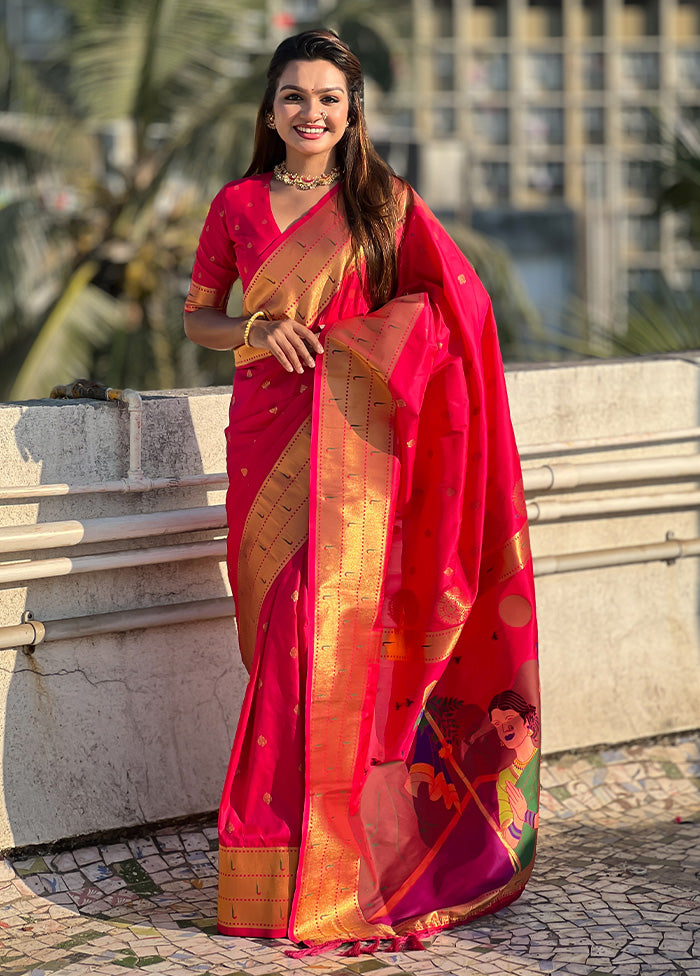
(680,178)
(668,321)
(63,347)
(141,60)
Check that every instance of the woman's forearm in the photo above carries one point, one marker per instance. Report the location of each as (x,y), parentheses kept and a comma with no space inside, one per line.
(214,329)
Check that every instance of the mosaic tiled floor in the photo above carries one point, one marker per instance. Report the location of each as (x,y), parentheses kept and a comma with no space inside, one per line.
(615,892)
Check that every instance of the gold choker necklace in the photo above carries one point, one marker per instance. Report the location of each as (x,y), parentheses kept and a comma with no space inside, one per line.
(282,174)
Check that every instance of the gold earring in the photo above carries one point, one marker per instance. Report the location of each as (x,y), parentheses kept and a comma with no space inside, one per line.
(270,120)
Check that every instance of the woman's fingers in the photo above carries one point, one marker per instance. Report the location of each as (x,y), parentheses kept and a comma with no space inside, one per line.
(308,337)
(289,342)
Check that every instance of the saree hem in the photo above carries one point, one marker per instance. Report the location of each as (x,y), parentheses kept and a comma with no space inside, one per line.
(252,932)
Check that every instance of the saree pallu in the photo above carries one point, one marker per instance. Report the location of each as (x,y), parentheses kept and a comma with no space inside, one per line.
(384,775)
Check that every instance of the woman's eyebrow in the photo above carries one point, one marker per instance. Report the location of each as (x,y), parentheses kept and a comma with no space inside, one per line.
(321,91)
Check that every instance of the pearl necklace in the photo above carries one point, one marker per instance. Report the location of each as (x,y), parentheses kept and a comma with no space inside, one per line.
(282,174)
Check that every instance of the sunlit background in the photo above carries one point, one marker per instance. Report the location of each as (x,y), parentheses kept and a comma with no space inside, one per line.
(559,140)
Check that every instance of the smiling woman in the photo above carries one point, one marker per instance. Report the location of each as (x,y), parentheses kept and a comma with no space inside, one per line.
(377,550)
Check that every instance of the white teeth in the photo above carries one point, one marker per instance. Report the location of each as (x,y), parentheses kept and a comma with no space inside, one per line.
(313,132)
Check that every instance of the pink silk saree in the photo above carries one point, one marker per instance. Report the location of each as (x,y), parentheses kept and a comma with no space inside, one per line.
(380,564)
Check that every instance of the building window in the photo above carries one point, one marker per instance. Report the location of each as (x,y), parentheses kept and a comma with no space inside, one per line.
(643,233)
(688,63)
(489,72)
(594,125)
(545,18)
(34,26)
(445,120)
(444,21)
(644,281)
(640,124)
(687,19)
(593,18)
(492,125)
(640,17)
(643,177)
(544,72)
(544,126)
(444,68)
(492,182)
(546,178)
(593,63)
(640,71)
(496,13)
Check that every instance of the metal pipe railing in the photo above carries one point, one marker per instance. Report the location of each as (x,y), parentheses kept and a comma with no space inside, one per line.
(560,477)
(118,486)
(33,632)
(569,562)
(52,535)
(541,510)
(17,572)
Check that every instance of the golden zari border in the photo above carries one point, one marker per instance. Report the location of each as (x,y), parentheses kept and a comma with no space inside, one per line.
(429,648)
(355,475)
(201,297)
(301,276)
(459,914)
(501,564)
(256,886)
(276,527)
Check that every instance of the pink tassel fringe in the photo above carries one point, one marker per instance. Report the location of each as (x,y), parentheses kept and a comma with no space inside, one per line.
(400,943)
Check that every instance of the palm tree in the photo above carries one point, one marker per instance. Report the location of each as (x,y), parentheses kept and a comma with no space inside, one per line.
(98,239)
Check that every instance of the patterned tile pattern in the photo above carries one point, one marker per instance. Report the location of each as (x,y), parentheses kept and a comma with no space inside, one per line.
(616,892)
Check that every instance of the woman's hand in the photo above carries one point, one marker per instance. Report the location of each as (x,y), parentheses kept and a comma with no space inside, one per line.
(290,342)
(518,804)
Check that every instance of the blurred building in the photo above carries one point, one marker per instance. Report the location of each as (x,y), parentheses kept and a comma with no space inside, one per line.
(541,121)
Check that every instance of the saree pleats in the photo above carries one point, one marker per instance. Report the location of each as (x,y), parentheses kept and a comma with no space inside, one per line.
(384,775)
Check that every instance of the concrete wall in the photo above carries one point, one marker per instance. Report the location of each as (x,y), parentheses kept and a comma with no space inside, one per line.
(108,731)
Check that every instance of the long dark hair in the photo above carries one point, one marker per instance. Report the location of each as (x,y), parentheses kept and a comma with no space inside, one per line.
(369,187)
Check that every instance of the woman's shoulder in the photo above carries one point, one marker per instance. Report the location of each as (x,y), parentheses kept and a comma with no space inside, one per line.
(242,191)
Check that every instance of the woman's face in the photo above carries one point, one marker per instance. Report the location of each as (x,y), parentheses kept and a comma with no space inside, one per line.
(510,726)
(311,111)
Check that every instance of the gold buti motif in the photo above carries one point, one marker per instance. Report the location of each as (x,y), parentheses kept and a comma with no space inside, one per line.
(452,606)
(519,503)
(256,886)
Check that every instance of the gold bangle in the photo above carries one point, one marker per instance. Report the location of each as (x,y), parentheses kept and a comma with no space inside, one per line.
(246,332)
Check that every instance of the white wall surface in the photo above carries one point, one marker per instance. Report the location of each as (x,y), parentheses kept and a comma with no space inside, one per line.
(114,730)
